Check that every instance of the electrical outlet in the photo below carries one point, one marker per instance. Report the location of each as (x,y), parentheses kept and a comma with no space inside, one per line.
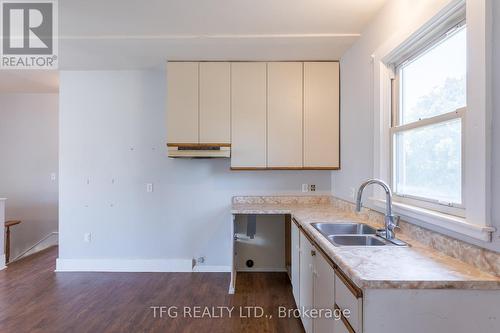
(53,176)
(149,187)
(312,188)
(87,237)
(305,188)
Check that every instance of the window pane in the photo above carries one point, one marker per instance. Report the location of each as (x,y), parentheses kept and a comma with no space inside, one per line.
(435,82)
(428,162)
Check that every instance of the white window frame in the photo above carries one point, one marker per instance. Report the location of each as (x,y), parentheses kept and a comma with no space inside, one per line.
(475,224)
(454,25)
(423,202)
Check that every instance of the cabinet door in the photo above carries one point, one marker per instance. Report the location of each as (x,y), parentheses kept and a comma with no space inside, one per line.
(284,128)
(248,115)
(295,247)
(215,102)
(321,115)
(182,102)
(306,279)
(324,293)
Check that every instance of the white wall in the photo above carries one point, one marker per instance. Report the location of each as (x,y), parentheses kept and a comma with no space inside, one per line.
(495,147)
(112,127)
(28,156)
(397,18)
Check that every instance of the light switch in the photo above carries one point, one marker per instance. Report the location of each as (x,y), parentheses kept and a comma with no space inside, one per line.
(149,187)
(53,176)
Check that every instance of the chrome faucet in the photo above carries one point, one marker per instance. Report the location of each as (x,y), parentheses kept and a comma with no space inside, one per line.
(391,221)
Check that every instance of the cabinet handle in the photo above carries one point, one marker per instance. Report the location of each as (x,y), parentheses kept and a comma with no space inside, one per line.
(313,253)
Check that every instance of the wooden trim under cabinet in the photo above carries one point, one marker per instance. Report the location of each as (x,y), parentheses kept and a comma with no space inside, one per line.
(344,320)
(201,145)
(282,168)
(355,290)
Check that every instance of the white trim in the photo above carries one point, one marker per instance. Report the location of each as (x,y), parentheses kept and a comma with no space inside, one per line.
(477,130)
(2,262)
(456,114)
(479,112)
(212,269)
(262,269)
(451,15)
(425,217)
(212,36)
(124,265)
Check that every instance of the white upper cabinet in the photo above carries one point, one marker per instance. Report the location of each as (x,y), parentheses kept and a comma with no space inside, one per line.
(182,102)
(215,102)
(284,114)
(248,115)
(321,115)
(275,115)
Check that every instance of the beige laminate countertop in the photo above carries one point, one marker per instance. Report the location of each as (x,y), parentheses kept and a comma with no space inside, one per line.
(413,267)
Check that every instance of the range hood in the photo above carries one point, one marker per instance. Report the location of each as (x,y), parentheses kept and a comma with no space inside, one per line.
(199,150)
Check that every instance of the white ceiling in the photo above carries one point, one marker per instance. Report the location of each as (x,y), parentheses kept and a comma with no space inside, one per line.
(140,34)
(120,34)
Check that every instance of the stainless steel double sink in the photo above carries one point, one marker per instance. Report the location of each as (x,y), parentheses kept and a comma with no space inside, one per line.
(351,234)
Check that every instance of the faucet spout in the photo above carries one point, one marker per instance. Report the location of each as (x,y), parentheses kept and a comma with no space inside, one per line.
(390,219)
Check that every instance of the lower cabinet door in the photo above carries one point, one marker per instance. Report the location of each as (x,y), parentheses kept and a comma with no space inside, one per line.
(324,294)
(339,327)
(295,247)
(306,280)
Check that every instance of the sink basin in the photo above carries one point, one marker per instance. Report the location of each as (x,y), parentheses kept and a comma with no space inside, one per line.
(328,229)
(357,240)
(346,233)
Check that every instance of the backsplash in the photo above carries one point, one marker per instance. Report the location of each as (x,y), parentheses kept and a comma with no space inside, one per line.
(284,200)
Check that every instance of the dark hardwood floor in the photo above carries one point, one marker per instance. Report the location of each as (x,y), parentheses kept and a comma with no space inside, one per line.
(35,299)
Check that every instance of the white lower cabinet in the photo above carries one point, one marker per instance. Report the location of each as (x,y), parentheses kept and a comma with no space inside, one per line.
(306,280)
(295,256)
(324,293)
(384,310)
(347,297)
(316,285)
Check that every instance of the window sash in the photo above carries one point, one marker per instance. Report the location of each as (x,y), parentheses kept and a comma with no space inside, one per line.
(431,43)
(423,202)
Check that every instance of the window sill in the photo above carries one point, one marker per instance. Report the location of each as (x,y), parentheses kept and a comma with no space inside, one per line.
(426,218)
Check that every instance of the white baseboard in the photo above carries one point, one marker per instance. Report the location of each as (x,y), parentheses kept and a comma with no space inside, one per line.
(262,269)
(2,262)
(124,265)
(212,269)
